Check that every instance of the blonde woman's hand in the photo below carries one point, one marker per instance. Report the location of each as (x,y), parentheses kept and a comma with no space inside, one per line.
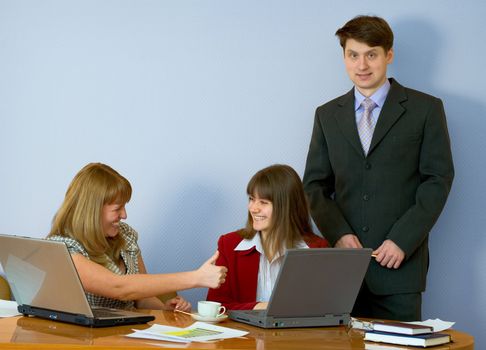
(210,275)
(178,303)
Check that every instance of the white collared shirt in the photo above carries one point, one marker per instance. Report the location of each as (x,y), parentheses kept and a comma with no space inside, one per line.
(267,271)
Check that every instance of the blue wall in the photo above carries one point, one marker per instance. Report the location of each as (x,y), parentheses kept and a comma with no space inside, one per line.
(188,99)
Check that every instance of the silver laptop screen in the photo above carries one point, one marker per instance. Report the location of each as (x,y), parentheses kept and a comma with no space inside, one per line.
(318,282)
(42,274)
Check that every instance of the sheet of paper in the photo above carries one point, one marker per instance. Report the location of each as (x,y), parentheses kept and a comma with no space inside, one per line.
(8,308)
(198,331)
(437,324)
(145,335)
(171,345)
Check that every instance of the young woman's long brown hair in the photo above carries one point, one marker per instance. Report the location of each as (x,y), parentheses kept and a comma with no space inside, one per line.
(281,185)
(80,215)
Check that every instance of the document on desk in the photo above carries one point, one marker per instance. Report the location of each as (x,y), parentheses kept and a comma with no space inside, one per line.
(437,324)
(197,332)
(8,308)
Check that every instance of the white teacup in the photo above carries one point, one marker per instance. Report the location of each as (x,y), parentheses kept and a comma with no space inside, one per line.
(210,309)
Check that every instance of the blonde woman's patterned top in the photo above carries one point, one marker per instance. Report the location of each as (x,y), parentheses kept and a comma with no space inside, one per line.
(130,258)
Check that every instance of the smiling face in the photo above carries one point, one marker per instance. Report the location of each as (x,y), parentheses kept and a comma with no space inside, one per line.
(366,66)
(261,213)
(110,218)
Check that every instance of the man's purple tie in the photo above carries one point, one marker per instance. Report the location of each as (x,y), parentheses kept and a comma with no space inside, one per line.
(365,124)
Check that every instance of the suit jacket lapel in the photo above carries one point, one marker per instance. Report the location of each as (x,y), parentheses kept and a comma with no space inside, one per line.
(392,110)
(346,119)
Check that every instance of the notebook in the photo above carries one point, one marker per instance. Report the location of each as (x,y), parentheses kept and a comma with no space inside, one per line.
(314,288)
(423,340)
(45,283)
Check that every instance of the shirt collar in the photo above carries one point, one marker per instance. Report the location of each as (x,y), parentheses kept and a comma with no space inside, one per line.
(378,97)
(301,244)
(247,244)
(256,242)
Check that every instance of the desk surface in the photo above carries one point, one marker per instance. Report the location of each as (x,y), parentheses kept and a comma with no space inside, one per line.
(34,333)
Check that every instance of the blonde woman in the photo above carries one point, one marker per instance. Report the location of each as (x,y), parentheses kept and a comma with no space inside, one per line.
(278,219)
(105,250)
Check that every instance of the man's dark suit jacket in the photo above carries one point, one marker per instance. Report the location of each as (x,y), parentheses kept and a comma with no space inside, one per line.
(396,192)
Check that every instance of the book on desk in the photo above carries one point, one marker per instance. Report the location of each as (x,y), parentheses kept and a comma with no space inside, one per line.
(385,346)
(423,340)
(401,328)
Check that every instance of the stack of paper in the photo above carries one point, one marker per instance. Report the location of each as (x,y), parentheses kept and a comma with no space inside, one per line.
(197,332)
(8,308)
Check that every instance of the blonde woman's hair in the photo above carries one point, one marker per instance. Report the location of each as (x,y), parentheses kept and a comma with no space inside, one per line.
(80,215)
(282,186)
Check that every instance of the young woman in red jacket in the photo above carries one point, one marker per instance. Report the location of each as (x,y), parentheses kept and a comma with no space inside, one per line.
(278,219)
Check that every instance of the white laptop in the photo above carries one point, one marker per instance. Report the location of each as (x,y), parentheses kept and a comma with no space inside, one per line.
(314,288)
(45,283)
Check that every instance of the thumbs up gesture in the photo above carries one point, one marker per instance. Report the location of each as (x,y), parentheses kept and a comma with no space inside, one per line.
(210,275)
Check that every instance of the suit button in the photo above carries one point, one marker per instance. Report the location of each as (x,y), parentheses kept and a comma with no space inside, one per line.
(365,228)
(366,197)
(367,166)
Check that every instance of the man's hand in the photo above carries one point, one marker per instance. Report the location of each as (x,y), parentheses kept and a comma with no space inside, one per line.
(349,240)
(389,255)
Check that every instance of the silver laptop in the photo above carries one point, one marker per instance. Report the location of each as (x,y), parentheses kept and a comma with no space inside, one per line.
(314,288)
(45,283)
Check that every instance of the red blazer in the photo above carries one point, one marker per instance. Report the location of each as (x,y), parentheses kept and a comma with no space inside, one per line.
(239,290)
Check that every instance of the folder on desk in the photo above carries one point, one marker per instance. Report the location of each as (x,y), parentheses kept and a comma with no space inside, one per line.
(314,288)
(45,283)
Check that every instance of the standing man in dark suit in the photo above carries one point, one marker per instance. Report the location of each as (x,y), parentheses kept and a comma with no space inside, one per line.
(378,172)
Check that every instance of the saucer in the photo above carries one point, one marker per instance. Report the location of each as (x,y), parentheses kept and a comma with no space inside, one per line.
(198,317)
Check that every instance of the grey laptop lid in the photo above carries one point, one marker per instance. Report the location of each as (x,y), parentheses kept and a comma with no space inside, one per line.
(45,283)
(316,282)
(314,287)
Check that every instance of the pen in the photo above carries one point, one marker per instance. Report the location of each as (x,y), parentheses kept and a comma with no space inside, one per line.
(183,312)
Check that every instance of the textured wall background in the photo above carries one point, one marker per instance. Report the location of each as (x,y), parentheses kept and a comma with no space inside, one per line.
(188,99)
